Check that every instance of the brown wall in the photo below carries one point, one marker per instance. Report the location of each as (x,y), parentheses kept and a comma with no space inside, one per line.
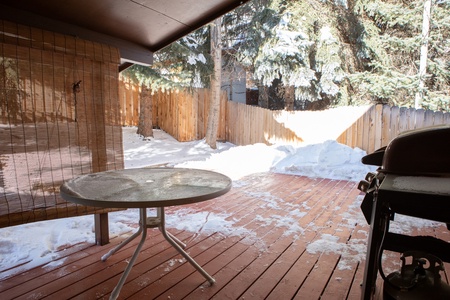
(49,133)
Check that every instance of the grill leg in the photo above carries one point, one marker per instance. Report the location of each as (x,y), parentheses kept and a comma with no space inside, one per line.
(377,225)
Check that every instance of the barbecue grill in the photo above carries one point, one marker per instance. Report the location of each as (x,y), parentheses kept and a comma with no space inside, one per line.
(413,179)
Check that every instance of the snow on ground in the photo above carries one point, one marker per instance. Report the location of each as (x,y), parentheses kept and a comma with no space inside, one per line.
(327,159)
(37,243)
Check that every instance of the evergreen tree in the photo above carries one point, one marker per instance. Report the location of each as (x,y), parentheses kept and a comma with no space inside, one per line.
(184,64)
(329,52)
(180,66)
(245,29)
(349,52)
(390,47)
(295,44)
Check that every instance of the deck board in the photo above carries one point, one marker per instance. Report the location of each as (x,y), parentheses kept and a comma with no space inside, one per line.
(277,218)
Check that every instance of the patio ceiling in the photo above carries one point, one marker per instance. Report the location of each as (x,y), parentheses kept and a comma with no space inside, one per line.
(137,27)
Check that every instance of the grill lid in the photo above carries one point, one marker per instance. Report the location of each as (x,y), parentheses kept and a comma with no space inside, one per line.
(422,152)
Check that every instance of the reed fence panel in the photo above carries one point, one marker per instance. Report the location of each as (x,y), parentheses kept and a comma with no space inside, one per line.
(48,132)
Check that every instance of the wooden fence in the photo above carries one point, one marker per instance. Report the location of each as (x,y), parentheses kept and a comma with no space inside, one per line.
(180,114)
(129,95)
(184,116)
(250,124)
(381,123)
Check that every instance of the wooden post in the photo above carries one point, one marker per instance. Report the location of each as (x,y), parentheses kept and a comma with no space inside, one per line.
(97,138)
(101,229)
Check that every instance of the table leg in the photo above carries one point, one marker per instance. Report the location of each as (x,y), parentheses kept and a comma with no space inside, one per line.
(143,229)
(120,246)
(159,213)
(182,245)
(179,248)
(175,242)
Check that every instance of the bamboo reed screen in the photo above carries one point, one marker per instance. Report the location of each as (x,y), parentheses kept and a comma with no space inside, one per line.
(52,129)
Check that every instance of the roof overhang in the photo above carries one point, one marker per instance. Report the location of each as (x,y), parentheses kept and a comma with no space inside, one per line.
(137,27)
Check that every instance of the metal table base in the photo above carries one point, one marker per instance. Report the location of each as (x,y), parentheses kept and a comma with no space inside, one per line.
(145,223)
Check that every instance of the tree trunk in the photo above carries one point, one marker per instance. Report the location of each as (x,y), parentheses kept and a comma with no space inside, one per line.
(145,126)
(214,105)
(423,53)
(289,97)
(263,96)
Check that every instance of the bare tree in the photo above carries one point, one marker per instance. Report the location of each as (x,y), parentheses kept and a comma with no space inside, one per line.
(423,52)
(214,106)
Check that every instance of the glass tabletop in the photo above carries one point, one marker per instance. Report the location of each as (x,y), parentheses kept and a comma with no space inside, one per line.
(145,187)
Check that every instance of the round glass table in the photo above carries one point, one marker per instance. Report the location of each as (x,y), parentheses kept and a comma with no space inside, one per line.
(146,188)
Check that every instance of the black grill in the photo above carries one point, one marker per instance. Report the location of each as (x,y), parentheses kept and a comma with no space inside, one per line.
(413,179)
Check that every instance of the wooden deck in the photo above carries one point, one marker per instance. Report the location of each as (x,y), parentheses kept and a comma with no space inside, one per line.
(290,237)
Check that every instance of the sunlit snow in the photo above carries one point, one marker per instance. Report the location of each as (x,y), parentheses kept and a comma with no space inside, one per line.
(40,243)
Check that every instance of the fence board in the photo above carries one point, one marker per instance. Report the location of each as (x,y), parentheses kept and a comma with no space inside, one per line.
(385,125)
(136,108)
(428,119)
(378,127)
(395,115)
(438,118)
(403,119)
(446,118)
(419,118)
(366,137)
